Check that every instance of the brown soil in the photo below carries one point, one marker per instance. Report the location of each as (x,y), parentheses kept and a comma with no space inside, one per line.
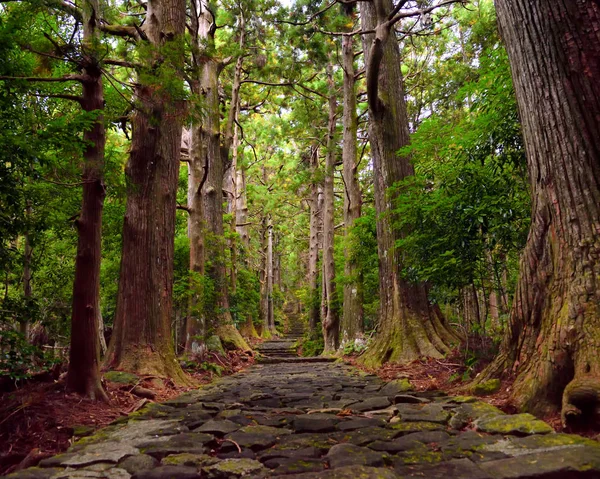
(39,418)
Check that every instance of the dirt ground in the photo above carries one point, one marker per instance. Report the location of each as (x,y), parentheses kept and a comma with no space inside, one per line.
(40,419)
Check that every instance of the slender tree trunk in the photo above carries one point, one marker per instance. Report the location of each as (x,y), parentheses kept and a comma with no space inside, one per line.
(315,213)
(241,207)
(270,317)
(27,254)
(551,341)
(329,313)
(196,321)
(351,325)
(83,375)
(408,328)
(141,340)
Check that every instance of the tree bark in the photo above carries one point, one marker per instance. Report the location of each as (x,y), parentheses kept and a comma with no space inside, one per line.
(206,139)
(551,342)
(316,215)
(141,340)
(329,313)
(408,328)
(270,316)
(351,324)
(83,376)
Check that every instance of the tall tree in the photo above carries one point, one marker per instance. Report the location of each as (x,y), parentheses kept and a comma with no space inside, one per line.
(551,339)
(84,355)
(208,157)
(315,227)
(330,320)
(141,340)
(351,324)
(408,328)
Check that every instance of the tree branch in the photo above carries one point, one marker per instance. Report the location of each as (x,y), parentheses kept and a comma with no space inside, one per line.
(66,78)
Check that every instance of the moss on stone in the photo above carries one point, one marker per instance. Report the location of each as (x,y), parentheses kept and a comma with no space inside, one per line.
(486,387)
(213,344)
(231,338)
(421,457)
(188,459)
(512,424)
(416,426)
(83,430)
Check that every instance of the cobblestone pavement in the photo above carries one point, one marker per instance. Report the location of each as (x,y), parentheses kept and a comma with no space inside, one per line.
(310,419)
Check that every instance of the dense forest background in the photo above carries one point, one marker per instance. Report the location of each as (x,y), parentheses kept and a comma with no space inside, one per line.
(234,154)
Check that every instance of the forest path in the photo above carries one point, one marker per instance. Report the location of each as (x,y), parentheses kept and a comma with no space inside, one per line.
(304,419)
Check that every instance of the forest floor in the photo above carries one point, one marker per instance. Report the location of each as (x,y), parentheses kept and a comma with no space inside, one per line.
(318,418)
(452,376)
(40,419)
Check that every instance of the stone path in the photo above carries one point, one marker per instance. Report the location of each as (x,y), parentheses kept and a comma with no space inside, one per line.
(322,420)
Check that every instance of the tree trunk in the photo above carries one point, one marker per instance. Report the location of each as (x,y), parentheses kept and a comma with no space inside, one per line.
(27,254)
(316,210)
(213,158)
(407,329)
(351,325)
(141,340)
(329,313)
(241,207)
(196,321)
(551,342)
(83,375)
(270,317)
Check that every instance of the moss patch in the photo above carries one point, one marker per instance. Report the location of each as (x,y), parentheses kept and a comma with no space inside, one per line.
(486,387)
(121,377)
(518,424)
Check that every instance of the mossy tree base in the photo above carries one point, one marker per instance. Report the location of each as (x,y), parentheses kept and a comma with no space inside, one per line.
(144,361)
(231,338)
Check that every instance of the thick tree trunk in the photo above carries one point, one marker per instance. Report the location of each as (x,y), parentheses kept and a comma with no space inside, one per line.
(141,340)
(206,137)
(83,375)
(316,215)
(351,325)
(408,328)
(551,343)
(329,313)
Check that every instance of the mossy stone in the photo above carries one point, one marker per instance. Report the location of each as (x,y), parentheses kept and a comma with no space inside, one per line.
(82,430)
(233,468)
(121,377)
(416,426)
(214,344)
(518,424)
(397,386)
(187,459)
(486,387)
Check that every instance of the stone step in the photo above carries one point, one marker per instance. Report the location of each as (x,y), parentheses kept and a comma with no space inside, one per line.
(295,360)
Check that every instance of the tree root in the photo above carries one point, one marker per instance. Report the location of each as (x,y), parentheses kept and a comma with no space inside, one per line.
(581,403)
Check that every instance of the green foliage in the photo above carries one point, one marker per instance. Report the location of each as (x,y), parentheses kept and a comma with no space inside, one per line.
(363,250)
(246,299)
(19,359)
(312,345)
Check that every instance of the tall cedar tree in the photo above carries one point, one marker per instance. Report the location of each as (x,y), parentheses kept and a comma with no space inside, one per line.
(351,323)
(208,157)
(409,327)
(329,313)
(141,340)
(553,336)
(84,355)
